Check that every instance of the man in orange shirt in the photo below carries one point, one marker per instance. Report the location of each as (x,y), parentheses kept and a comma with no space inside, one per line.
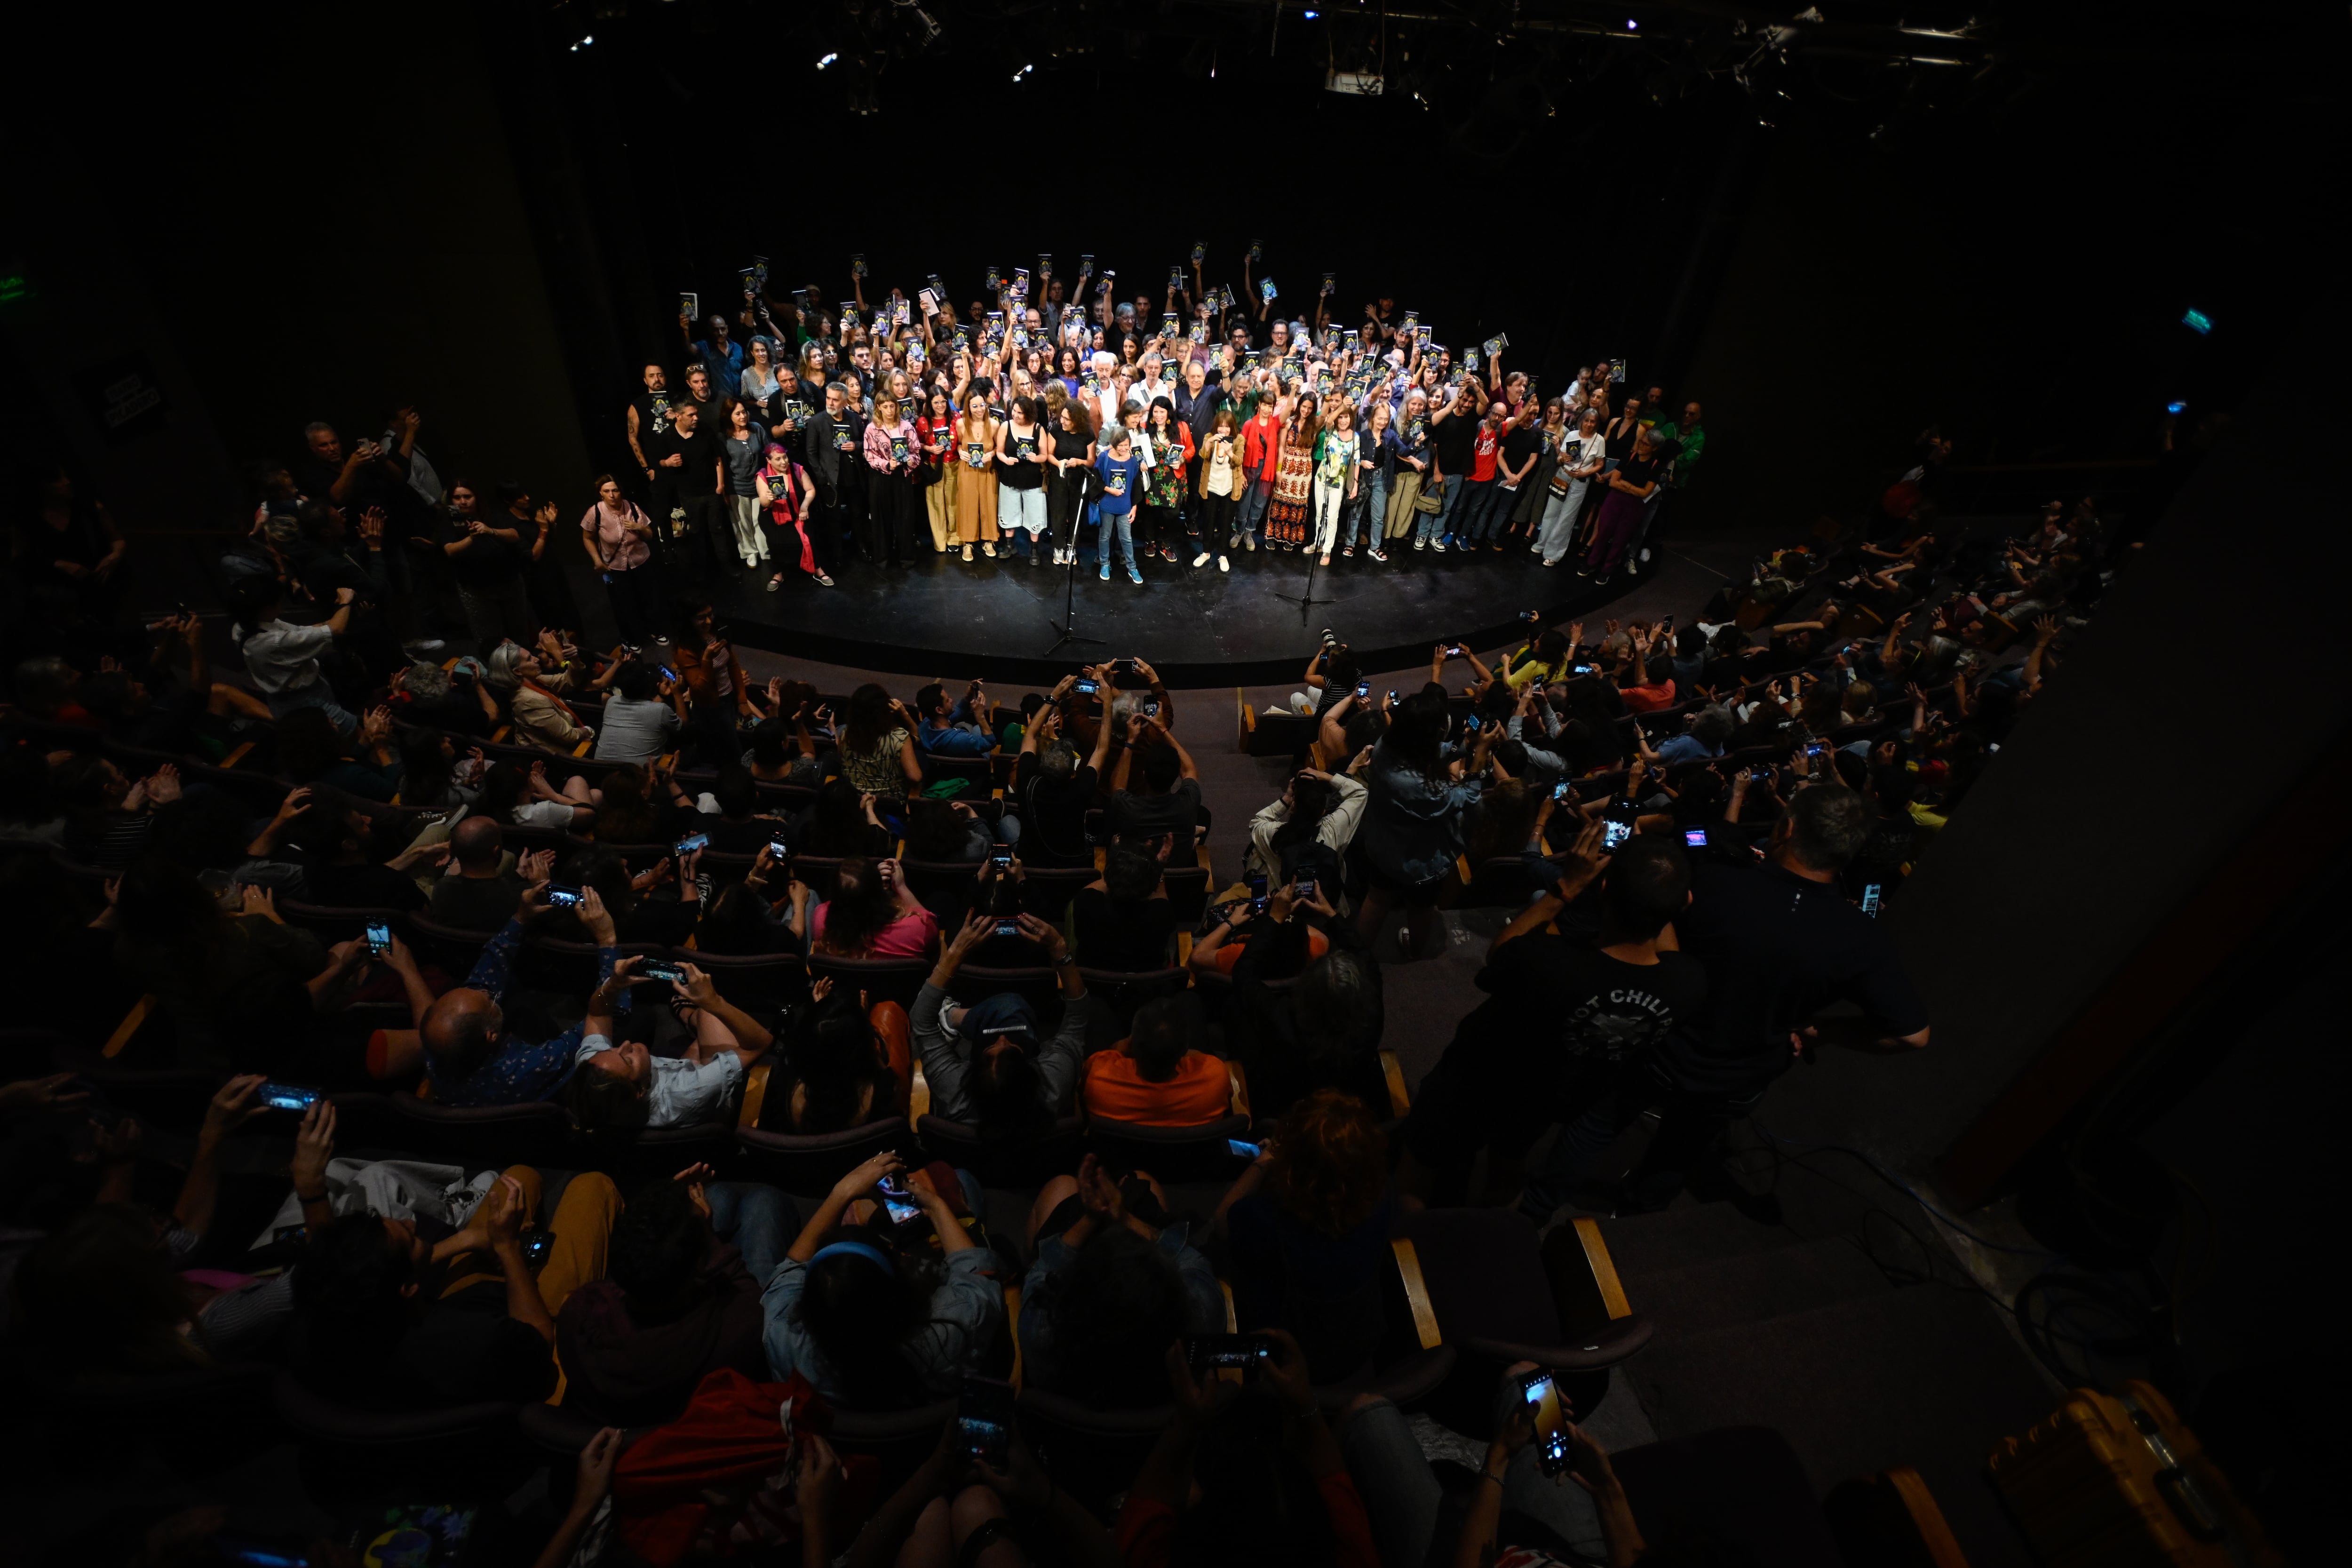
(1261,455)
(1158,1076)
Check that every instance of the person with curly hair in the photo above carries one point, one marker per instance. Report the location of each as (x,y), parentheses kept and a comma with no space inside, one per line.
(1309,1224)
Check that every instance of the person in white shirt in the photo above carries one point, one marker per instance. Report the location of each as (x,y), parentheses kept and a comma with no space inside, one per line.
(283,658)
(623,1084)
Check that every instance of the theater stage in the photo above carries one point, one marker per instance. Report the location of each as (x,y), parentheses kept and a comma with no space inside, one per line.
(1000,618)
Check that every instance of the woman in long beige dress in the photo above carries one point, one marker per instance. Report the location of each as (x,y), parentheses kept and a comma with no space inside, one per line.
(975,487)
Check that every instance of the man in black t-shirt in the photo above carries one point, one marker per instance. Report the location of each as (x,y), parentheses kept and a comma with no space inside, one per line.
(649,417)
(1567,1033)
(1779,943)
(687,479)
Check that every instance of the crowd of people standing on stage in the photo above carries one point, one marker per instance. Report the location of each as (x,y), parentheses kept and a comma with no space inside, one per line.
(1020,424)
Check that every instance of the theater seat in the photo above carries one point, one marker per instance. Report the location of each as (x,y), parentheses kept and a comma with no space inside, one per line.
(882,979)
(1046,890)
(1093,1454)
(1004,1163)
(1123,991)
(458,1453)
(758,982)
(812,1164)
(899,1439)
(1197,1154)
(1496,1294)
(484,1137)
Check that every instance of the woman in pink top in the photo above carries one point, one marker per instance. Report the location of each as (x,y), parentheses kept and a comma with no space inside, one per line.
(893,452)
(619,539)
(870,915)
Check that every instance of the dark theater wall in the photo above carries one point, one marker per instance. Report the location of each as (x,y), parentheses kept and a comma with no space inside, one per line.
(323,222)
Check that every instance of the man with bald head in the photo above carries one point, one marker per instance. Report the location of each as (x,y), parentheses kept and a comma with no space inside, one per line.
(468,1056)
(483,886)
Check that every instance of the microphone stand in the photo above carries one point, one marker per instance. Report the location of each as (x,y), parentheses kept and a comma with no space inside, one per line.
(1066,631)
(1306,601)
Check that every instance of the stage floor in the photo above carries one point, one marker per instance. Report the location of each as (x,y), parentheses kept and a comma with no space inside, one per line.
(1000,618)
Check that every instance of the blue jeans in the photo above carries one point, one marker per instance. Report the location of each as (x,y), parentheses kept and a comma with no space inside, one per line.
(1432,523)
(758,1219)
(1371,509)
(1253,505)
(1467,521)
(1118,526)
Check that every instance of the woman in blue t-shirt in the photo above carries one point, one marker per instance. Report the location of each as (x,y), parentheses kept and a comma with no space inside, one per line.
(1122,472)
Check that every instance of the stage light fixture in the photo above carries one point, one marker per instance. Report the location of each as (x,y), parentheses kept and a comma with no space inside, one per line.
(827,60)
(2197,321)
(1025,70)
(2175,406)
(583,43)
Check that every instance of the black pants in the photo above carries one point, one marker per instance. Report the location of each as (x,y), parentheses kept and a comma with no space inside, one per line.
(1686,1144)
(896,512)
(1159,527)
(1063,508)
(635,596)
(850,508)
(1216,521)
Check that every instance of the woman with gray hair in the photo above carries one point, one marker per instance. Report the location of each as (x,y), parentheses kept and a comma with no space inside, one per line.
(541,718)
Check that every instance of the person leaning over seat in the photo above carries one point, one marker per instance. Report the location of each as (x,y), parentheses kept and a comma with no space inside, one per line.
(986,1063)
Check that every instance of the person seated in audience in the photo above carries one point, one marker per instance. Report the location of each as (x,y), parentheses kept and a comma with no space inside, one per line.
(957,1509)
(341,865)
(520,798)
(621,1083)
(387,1319)
(200,715)
(1311,825)
(640,805)
(1307,1227)
(950,832)
(1123,920)
(1055,787)
(870,915)
(109,817)
(845,1066)
(1115,1280)
(842,820)
(879,1315)
(1275,944)
(1251,1462)
(991,1064)
(1168,805)
(737,920)
(536,682)
(776,754)
(739,827)
(311,750)
(107,1295)
(877,745)
(1323,1031)
(1568,1029)
(689,1260)
(642,718)
(1517,1514)
(240,987)
(431,777)
(633,898)
(958,729)
(29,809)
(483,886)
(461,1039)
(1161,1075)
(1705,733)
(1417,798)
(451,699)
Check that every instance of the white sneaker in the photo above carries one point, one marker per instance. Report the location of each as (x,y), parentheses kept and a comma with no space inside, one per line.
(1202,559)
(1223,564)
(1420,543)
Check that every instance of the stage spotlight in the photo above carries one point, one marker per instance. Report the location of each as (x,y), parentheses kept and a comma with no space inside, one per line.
(2197,321)
(1311,16)
(2175,406)
(583,43)
(827,60)
(1025,70)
